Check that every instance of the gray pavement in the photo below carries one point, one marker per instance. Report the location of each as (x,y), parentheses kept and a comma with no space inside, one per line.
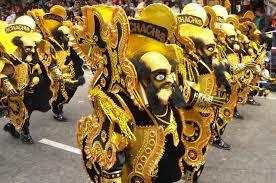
(252,158)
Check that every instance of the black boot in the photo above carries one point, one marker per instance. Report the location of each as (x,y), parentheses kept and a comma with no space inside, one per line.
(237,115)
(11,129)
(60,117)
(251,101)
(3,111)
(58,112)
(261,93)
(25,136)
(219,143)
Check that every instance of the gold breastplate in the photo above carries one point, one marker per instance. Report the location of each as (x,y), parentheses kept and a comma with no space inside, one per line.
(197,133)
(61,57)
(207,83)
(226,112)
(21,76)
(144,154)
(196,136)
(233,58)
(246,59)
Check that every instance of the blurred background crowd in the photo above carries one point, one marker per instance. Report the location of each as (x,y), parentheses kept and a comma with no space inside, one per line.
(265,10)
(12,8)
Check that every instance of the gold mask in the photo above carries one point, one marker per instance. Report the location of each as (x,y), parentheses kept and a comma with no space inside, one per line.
(161,75)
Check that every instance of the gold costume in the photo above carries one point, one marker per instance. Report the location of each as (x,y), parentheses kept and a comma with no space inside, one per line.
(14,71)
(156,106)
(52,53)
(47,53)
(202,86)
(125,122)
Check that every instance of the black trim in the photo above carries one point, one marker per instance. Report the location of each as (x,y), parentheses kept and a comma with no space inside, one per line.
(150,30)
(17,27)
(190,19)
(55,17)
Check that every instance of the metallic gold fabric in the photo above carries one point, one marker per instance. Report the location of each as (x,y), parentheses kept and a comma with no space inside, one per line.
(144,154)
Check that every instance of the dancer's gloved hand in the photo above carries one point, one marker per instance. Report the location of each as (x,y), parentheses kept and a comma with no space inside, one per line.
(56,74)
(8,87)
(208,101)
(218,101)
(251,65)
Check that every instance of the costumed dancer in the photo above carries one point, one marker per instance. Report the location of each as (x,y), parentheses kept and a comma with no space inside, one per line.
(134,133)
(259,44)
(18,42)
(225,113)
(199,70)
(55,31)
(232,55)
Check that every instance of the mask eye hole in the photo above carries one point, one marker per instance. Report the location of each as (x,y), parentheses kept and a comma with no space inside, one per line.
(232,38)
(211,49)
(160,77)
(28,48)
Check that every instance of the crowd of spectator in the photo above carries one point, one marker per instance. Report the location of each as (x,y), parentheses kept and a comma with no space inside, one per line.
(265,10)
(10,9)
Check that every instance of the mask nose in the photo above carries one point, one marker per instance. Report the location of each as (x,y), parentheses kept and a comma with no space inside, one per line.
(236,47)
(170,78)
(216,51)
(30,50)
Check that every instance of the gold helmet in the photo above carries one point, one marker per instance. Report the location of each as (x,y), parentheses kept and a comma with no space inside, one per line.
(229,29)
(221,13)
(151,30)
(54,18)
(23,26)
(67,23)
(58,10)
(248,27)
(26,20)
(191,22)
(249,15)
(193,14)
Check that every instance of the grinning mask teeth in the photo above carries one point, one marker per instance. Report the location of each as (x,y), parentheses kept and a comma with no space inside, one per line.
(160,75)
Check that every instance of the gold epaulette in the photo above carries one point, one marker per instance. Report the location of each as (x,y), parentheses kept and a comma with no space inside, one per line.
(46,52)
(112,111)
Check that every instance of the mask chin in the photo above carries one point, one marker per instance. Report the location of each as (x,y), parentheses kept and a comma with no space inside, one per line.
(164,95)
(250,51)
(29,58)
(236,48)
(154,101)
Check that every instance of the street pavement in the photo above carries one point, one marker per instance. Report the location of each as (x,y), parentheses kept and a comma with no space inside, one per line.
(252,158)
